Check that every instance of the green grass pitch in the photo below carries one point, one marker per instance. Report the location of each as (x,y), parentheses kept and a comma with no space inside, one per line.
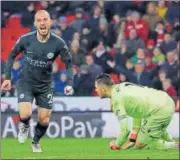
(68,148)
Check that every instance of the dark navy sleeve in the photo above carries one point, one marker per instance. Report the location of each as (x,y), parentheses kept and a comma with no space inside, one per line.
(66,57)
(17,49)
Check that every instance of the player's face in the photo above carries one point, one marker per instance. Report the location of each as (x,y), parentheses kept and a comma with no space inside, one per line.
(100,90)
(43,23)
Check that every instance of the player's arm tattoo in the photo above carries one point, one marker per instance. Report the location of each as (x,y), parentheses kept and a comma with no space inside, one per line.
(67,59)
(17,49)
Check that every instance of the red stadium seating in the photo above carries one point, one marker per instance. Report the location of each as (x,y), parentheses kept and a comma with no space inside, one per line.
(9,38)
(14,22)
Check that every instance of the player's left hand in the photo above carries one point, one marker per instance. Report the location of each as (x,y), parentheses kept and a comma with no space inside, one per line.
(113,145)
(68,90)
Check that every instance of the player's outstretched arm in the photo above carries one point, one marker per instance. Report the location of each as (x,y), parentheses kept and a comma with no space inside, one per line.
(124,126)
(17,49)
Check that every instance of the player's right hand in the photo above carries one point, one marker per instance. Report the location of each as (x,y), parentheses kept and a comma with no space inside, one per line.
(113,145)
(131,141)
(6,85)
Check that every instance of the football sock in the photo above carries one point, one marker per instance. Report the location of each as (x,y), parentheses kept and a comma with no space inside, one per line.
(25,121)
(40,131)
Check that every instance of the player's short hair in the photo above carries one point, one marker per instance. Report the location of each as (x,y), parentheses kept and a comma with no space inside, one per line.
(104,79)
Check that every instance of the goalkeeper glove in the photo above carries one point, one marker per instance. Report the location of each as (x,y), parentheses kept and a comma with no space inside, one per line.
(131,142)
(114,145)
(133,137)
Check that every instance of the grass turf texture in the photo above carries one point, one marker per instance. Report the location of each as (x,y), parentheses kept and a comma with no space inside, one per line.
(78,149)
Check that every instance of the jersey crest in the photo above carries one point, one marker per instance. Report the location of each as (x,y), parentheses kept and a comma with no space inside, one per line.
(50,55)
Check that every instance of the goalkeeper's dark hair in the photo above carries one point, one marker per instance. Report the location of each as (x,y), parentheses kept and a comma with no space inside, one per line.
(104,79)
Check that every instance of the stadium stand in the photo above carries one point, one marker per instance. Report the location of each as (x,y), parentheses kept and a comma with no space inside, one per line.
(127,45)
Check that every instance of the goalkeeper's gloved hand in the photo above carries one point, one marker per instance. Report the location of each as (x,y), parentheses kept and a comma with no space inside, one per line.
(114,145)
(133,137)
(131,141)
(68,90)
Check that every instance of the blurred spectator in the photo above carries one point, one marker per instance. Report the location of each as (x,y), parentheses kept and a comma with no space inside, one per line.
(169,88)
(76,36)
(67,31)
(168,44)
(83,82)
(149,65)
(139,24)
(60,83)
(93,69)
(78,57)
(88,39)
(122,56)
(158,56)
(158,32)
(172,14)
(116,28)
(57,31)
(176,31)
(142,77)
(103,58)
(129,65)
(28,16)
(15,71)
(157,81)
(57,8)
(93,21)
(72,5)
(151,17)
(103,33)
(78,23)
(139,57)
(45,5)
(171,65)
(176,83)
(133,43)
(162,8)
(9,8)
(139,76)
(55,22)
(150,45)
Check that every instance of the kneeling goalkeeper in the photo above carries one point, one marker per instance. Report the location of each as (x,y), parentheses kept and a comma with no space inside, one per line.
(154,107)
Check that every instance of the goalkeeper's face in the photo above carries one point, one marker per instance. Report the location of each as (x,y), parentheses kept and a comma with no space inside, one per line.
(43,22)
(101,90)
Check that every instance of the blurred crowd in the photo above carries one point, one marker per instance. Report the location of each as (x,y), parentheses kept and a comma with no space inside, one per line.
(132,41)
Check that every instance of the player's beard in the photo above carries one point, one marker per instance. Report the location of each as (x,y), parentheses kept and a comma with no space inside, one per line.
(45,35)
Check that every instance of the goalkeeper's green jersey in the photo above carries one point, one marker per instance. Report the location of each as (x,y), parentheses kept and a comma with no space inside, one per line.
(139,102)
